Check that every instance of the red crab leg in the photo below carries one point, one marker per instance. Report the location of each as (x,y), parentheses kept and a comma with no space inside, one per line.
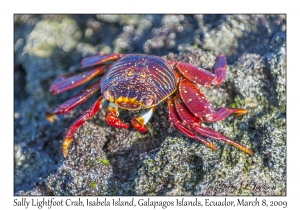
(99,59)
(88,114)
(176,122)
(204,77)
(216,135)
(73,102)
(64,83)
(224,112)
(112,119)
(198,104)
(139,122)
(195,124)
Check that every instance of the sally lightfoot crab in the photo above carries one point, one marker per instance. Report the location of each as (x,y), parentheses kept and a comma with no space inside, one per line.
(137,81)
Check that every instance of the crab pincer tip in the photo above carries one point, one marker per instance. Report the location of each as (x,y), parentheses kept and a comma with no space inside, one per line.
(140,127)
(248,151)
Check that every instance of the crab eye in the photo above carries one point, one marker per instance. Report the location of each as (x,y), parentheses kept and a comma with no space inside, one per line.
(109,95)
(148,101)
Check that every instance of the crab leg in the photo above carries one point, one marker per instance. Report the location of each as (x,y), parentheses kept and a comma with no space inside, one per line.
(64,83)
(216,135)
(176,122)
(73,102)
(139,122)
(195,124)
(99,59)
(88,114)
(224,112)
(204,77)
(198,104)
(111,117)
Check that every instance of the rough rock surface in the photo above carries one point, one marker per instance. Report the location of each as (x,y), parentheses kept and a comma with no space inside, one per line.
(107,161)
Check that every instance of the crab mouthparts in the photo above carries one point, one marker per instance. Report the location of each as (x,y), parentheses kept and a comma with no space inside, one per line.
(128,103)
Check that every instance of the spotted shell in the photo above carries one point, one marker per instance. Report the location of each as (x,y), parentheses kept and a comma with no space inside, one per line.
(139,76)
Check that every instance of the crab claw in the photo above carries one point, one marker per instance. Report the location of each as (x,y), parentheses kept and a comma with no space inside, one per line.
(114,121)
(139,122)
(140,127)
